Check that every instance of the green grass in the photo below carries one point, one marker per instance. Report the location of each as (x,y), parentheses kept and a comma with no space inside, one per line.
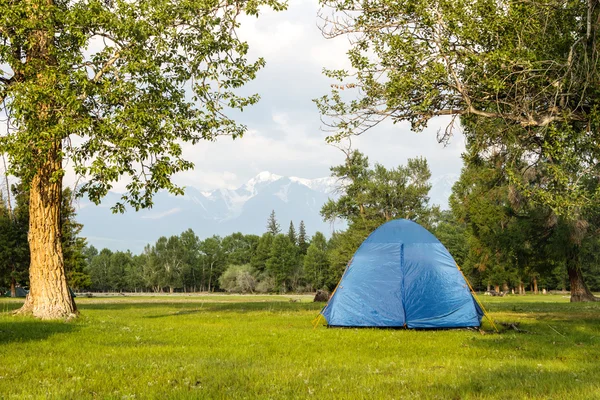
(265,347)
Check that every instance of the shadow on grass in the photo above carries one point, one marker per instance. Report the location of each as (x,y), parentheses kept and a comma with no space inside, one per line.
(17,329)
(518,381)
(190,308)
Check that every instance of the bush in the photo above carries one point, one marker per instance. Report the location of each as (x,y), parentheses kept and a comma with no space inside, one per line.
(266,285)
(238,279)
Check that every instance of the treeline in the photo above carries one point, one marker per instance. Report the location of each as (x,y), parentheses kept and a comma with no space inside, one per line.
(500,240)
(273,262)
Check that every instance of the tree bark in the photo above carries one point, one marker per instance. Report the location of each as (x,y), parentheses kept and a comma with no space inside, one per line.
(535,285)
(13,286)
(579,290)
(49,296)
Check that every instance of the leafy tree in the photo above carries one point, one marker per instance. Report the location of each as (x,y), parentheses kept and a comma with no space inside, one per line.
(316,264)
(528,68)
(272,224)
(521,76)
(302,238)
(239,248)
(452,233)
(169,256)
(190,244)
(213,262)
(158,74)
(100,271)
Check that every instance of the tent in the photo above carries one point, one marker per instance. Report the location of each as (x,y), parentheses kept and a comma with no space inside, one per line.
(402,276)
(19,292)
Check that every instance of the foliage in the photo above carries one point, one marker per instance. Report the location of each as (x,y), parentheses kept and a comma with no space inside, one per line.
(128,81)
(522,76)
(292,234)
(316,264)
(302,239)
(238,279)
(272,224)
(73,244)
(283,263)
(370,196)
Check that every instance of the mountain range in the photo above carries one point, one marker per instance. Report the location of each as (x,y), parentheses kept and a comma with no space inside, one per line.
(222,211)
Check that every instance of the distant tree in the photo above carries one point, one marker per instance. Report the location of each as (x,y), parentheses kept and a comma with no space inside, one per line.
(302,238)
(282,262)
(100,270)
(292,234)
(316,263)
(263,252)
(120,264)
(370,197)
(272,224)
(452,233)
(73,244)
(190,244)
(238,279)
(213,261)
(14,251)
(239,248)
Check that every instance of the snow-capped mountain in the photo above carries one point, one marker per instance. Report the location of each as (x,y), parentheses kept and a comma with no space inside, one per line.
(221,211)
(441,189)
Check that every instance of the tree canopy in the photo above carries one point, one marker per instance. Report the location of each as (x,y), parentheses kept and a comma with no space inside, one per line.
(522,76)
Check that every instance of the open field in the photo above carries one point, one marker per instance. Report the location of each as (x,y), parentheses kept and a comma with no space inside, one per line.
(262,347)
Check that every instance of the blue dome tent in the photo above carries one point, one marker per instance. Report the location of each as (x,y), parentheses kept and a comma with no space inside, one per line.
(402,276)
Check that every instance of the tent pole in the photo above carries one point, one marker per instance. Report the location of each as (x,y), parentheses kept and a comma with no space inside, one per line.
(478,301)
(316,320)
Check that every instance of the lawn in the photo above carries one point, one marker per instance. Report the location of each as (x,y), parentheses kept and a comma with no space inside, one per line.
(265,347)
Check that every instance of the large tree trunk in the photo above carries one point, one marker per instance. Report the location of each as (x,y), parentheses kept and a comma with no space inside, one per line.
(49,296)
(579,290)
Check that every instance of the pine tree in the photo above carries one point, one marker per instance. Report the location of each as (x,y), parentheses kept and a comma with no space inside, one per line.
(316,264)
(292,234)
(73,245)
(272,224)
(302,242)
(262,254)
(282,262)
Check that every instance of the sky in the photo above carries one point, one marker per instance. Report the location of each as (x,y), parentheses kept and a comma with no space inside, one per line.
(285,133)
(284,129)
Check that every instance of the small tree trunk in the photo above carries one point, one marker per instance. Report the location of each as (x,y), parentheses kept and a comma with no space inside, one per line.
(497,288)
(13,286)
(49,296)
(579,290)
(535,285)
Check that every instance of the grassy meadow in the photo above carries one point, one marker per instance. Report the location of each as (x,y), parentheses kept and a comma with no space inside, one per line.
(264,347)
